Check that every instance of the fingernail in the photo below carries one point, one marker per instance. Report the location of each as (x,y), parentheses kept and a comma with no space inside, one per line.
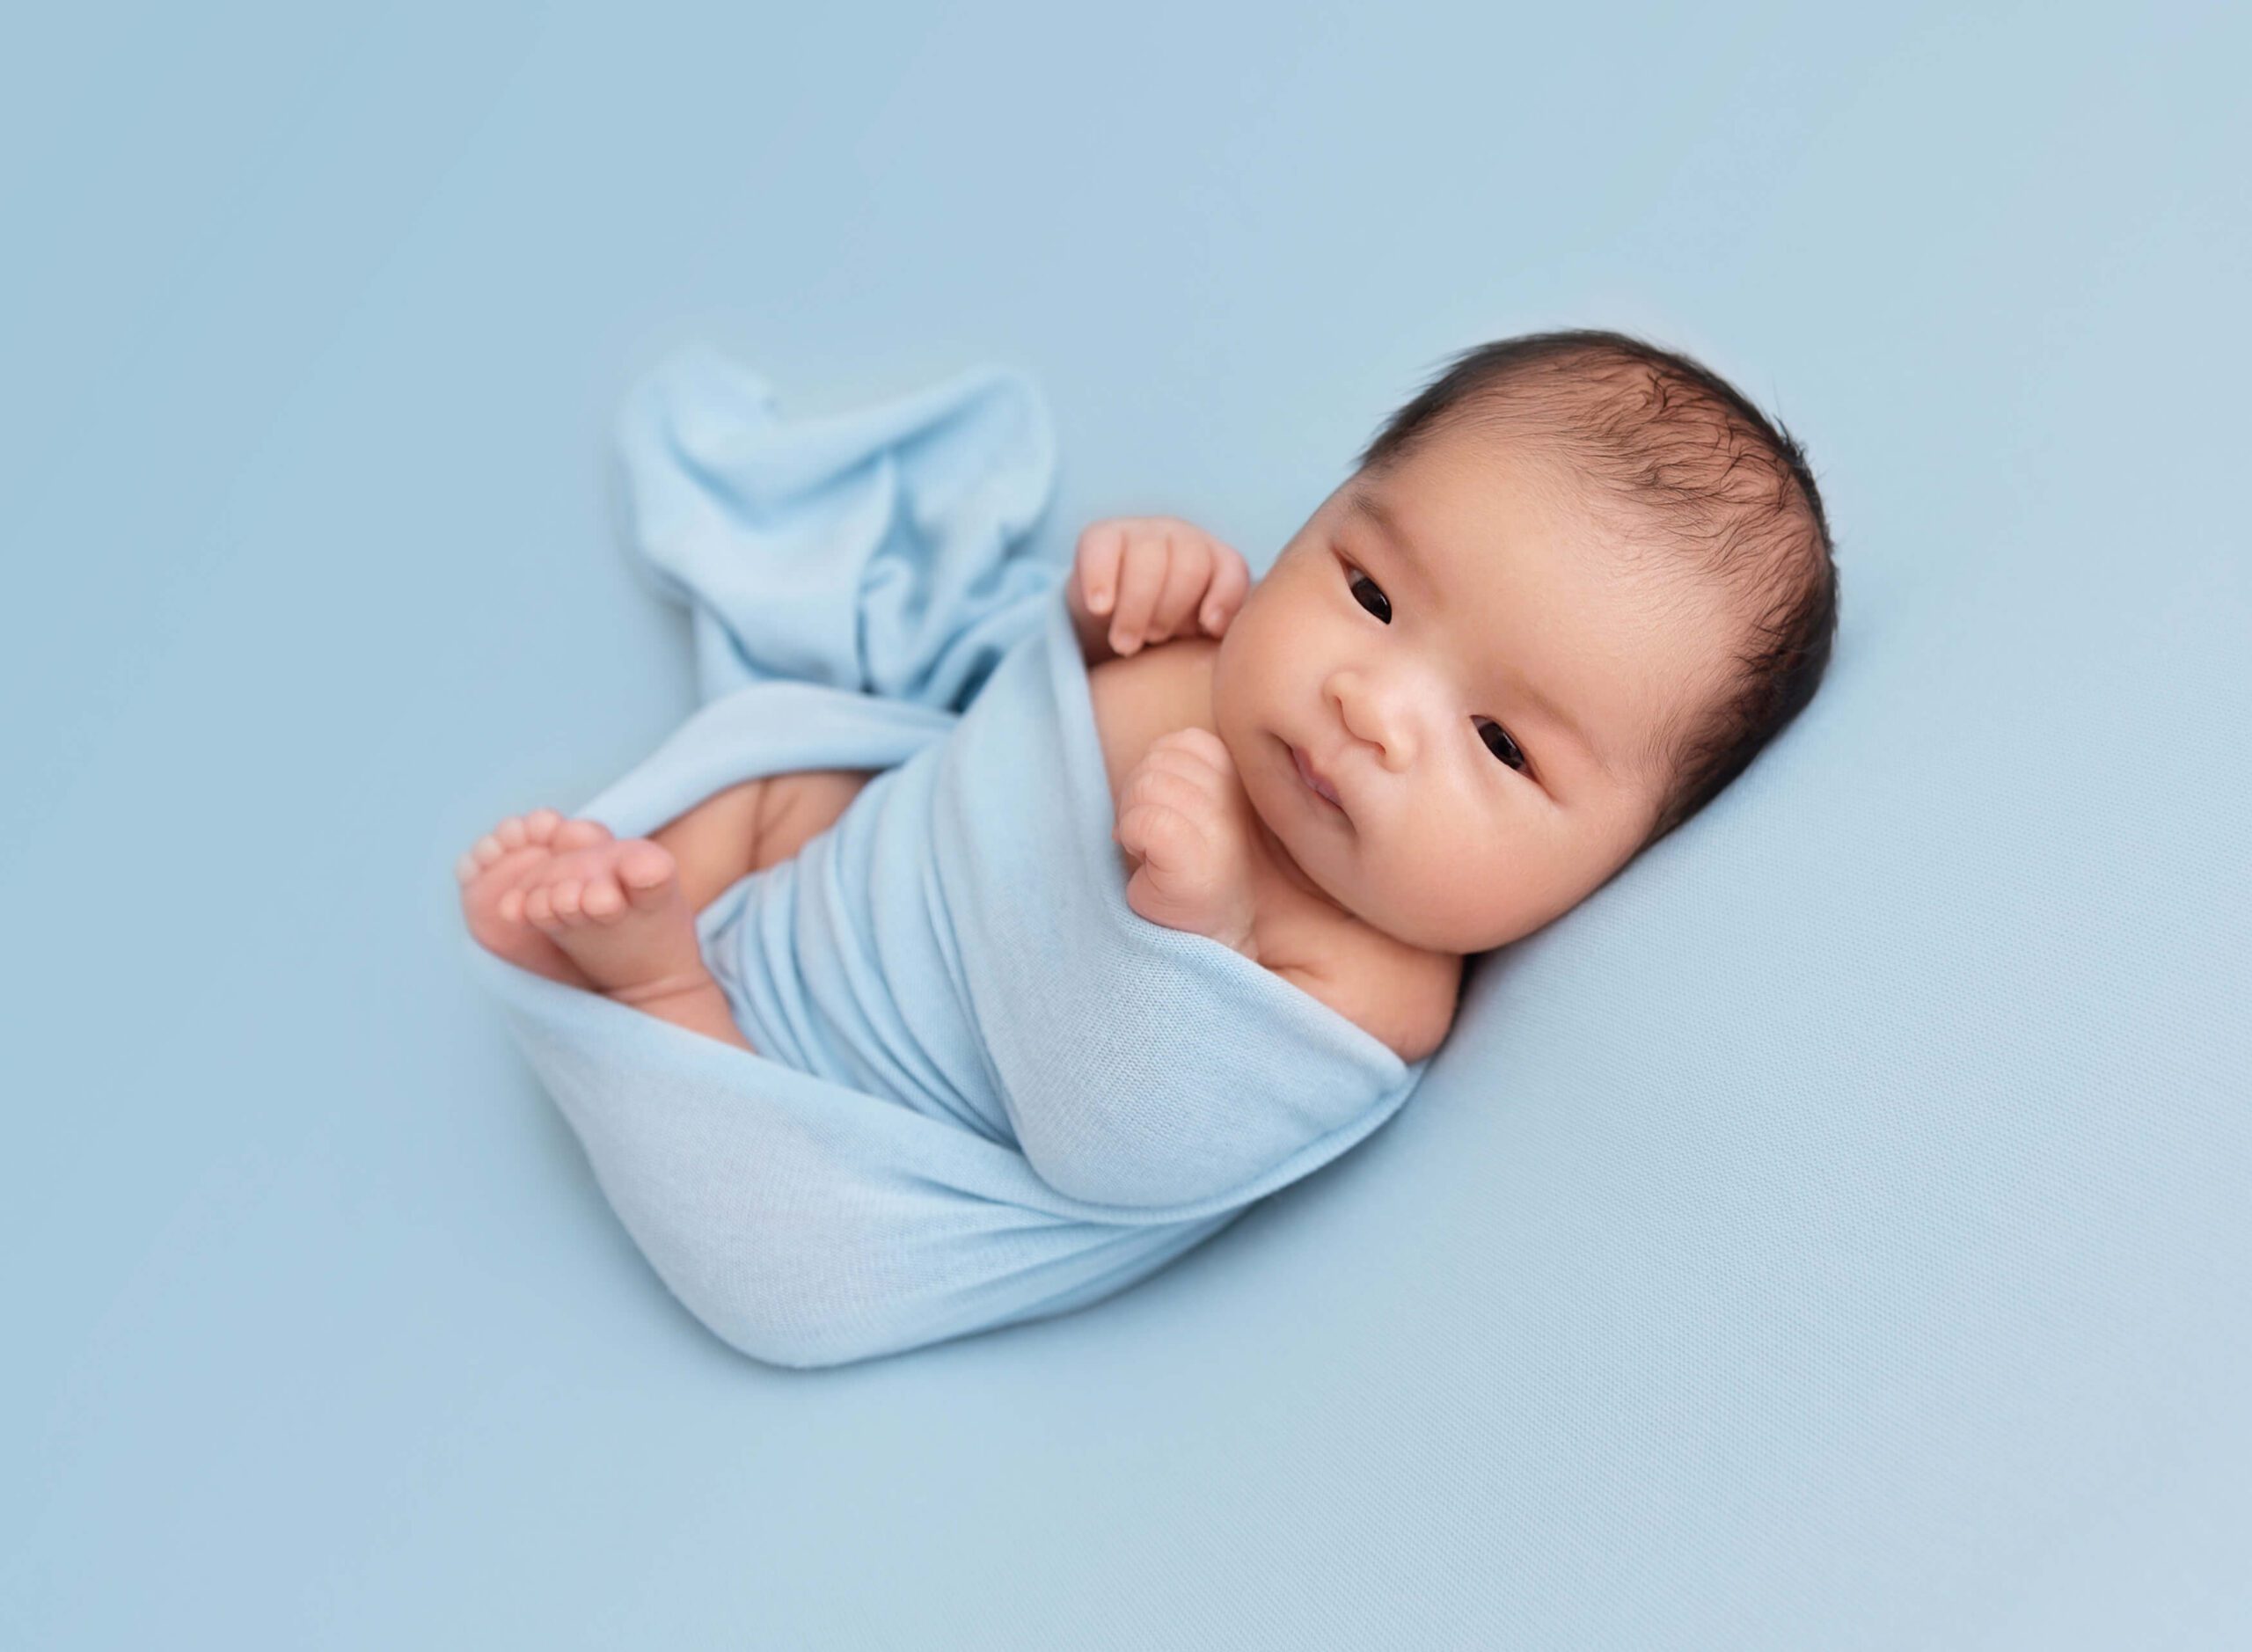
(1099,601)
(1211,618)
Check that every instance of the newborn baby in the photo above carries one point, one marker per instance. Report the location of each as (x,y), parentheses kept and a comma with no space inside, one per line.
(1571,591)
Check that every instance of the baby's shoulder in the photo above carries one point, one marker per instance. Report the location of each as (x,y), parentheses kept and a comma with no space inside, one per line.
(1403,997)
(1170,677)
(1139,697)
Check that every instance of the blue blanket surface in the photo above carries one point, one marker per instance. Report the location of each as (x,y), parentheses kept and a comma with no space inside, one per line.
(985,1089)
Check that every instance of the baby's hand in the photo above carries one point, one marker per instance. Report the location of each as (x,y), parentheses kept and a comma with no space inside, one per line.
(1186,816)
(1158,578)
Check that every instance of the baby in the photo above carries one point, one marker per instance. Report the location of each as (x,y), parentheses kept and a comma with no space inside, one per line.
(1571,590)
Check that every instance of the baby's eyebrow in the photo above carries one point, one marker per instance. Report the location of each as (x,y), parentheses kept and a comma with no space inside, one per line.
(1379,514)
(1361,502)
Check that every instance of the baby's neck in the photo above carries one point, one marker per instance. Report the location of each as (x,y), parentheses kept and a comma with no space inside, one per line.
(1321,901)
(1286,866)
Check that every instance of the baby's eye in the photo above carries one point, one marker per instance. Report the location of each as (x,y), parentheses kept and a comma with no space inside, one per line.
(1354,585)
(1507,750)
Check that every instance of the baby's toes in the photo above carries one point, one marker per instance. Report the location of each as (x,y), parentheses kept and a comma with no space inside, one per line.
(604,901)
(567,897)
(516,832)
(539,908)
(482,855)
(647,873)
(579,834)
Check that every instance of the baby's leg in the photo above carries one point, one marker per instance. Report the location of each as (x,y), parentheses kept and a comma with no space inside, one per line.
(502,866)
(757,824)
(620,912)
(620,917)
(715,842)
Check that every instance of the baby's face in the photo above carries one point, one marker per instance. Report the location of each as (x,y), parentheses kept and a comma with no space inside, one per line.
(1467,656)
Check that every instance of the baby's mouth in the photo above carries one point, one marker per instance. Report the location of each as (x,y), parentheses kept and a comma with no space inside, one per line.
(1315,783)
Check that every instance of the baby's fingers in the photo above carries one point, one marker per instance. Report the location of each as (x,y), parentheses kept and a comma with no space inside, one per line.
(1188,793)
(1099,551)
(1141,578)
(1230,581)
(1189,572)
(1162,837)
(1195,744)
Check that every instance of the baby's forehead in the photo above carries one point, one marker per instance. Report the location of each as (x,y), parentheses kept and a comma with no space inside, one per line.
(1561,603)
(1476,529)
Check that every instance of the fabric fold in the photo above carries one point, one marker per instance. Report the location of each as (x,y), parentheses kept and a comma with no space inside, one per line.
(984,1089)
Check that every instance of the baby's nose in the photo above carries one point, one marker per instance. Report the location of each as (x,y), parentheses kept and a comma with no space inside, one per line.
(1377,711)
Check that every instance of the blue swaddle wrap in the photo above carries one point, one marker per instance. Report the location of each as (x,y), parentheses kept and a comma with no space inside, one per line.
(985,1090)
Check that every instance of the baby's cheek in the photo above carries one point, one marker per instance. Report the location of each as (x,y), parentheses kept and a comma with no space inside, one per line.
(1429,880)
(1421,890)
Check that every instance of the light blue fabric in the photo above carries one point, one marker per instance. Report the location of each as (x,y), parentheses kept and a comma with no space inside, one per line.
(985,1089)
(1831,1237)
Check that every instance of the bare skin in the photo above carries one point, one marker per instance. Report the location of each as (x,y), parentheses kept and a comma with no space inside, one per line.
(1434,726)
(1425,732)
(566,900)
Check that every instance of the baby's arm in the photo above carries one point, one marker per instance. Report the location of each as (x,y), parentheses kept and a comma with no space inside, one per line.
(1146,580)
(1345,992)
(1406,1004)
(1184,817)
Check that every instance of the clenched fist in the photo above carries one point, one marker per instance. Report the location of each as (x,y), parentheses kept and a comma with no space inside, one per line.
(1157,578)
(1184,814)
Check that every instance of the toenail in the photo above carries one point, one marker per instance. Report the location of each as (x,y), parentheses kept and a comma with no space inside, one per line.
(465,868)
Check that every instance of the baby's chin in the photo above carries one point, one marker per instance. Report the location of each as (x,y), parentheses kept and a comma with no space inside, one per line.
(1281,850)
(1340,891)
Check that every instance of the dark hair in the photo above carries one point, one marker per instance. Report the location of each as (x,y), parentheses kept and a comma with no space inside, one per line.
(1674,443)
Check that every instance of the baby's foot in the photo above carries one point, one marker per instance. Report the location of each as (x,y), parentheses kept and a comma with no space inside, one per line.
(617,911)
(494,874)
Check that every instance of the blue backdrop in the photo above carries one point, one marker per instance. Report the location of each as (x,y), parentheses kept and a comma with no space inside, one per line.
(1832,1234)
